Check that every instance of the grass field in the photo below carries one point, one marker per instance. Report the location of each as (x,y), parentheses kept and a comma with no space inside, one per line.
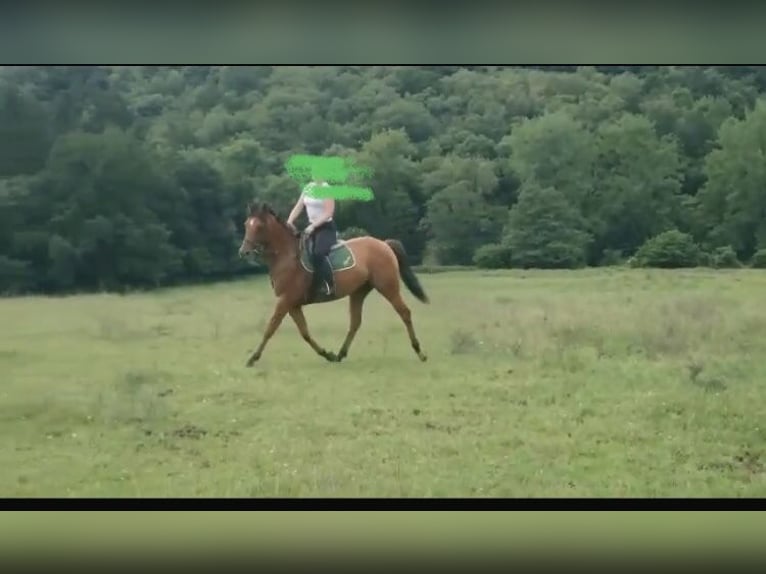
(590,383)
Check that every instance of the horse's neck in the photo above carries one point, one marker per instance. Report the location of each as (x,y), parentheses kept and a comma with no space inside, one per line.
(288,246)
(284,266)
(285,249)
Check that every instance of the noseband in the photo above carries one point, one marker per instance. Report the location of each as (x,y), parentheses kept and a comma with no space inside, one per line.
(255,248)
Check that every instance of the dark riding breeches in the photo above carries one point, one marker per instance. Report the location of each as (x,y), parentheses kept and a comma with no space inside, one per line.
(324,237)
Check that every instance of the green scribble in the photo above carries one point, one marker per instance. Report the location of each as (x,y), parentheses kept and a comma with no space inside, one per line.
(340,192)
(336,171)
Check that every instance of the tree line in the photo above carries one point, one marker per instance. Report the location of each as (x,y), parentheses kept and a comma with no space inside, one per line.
(123,177)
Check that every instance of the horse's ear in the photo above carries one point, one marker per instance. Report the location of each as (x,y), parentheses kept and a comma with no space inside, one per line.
(254,208)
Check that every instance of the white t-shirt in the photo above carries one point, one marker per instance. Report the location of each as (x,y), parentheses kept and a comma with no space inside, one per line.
(314,205)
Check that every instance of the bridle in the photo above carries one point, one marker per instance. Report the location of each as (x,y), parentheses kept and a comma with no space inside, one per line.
(261,249)
(255,247)
(258,250)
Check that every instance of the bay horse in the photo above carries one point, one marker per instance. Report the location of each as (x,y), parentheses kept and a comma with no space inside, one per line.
(374,264)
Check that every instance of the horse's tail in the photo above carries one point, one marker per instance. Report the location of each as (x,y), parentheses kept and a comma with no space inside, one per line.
(406,272)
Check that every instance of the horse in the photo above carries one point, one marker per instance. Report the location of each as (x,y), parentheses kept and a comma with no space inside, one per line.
(359,265)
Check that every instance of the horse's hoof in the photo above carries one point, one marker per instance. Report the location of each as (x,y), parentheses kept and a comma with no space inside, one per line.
(423,357)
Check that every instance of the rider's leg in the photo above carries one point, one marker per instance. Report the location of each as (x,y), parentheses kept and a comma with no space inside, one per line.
(324,239)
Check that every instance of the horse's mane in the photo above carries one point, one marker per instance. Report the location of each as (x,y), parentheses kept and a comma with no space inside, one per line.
(259,209)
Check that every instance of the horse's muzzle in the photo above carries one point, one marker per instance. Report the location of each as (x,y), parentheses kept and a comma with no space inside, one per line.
(248,248)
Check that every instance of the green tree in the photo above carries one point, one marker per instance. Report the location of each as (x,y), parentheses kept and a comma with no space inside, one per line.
(637,186)
(95,159)
(208,219)
(394,181)
(545,230)
(460,220)
(108,185)
(555,151)
(733,201)
(460,215)
(409,115)
(25,136)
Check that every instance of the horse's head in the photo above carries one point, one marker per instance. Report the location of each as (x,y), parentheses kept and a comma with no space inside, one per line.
(262,228)
(256,228)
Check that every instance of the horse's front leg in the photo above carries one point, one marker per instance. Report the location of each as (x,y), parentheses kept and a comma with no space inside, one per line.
(276,319)
(300,321)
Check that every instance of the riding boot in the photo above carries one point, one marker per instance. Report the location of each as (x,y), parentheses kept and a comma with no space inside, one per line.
(316,281)
(319,283)
(328,276)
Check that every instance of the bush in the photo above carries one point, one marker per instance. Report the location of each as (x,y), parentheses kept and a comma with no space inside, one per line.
(724,258)
(545,230)
(492,256)
(704,259)
(612,257)
(668,250)
(351,232)
(759,259)
(15,276)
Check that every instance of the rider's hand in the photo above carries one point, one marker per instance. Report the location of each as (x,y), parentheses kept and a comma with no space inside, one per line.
(309,230)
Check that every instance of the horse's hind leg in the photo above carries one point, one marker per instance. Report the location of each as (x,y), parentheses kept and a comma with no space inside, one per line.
(300,321)
(355,304)
(395,298)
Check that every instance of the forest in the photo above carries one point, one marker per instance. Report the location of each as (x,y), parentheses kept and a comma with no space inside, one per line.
(115,178)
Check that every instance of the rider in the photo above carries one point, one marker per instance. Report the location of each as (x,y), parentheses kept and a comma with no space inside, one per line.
(321,230)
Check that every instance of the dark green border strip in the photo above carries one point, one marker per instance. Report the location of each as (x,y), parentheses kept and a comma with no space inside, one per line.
(327,531)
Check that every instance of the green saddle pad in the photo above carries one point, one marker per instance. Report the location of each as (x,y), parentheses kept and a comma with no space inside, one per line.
(341,258)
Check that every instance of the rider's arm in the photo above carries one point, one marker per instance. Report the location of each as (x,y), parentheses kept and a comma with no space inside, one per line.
(297,209)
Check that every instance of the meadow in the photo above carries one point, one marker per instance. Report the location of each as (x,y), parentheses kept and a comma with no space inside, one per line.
(609,382)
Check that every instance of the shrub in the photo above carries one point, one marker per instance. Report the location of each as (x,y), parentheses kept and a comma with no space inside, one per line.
(492,256)
(612,257)
(15,275)
(670,249)
(351,232)
(704,259)
(545,230)
(724,258)
(759,259)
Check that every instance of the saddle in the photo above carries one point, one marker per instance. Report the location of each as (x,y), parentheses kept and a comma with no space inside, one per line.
(340,256)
